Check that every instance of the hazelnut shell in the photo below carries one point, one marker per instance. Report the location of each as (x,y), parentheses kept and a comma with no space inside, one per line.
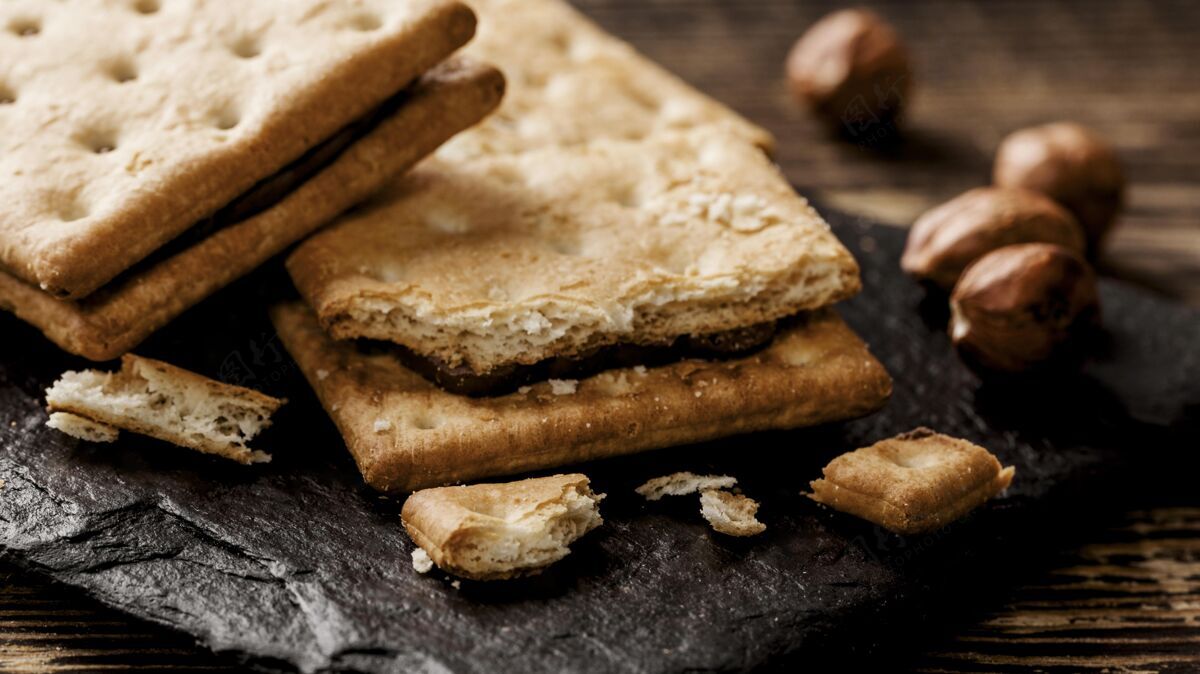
(1069,164)
(1024,307)
(943,241)
(852,69)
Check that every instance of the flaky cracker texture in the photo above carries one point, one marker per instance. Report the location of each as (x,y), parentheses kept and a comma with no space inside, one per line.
(502,530)
(730,514)
(162,401)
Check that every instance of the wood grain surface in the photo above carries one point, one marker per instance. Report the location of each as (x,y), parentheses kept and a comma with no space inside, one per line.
(983,69)
(1128,601)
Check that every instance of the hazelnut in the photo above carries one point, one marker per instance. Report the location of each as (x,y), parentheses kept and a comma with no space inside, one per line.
(946,239)
(852,70)
(1023,307)
(1071,165)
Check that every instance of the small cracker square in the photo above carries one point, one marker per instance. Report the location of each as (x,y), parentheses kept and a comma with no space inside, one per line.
(913,483)
(406,433)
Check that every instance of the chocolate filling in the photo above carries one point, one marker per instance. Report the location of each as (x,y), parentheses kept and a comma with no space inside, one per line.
(462,380)
(269,191)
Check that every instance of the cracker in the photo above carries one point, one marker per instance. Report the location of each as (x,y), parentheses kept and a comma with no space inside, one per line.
(730,514)
(114,146)
(682,484)
(405,433)
(512,259)
(116,318)
(498,531)
(913,483)
(166,402)
(571,82)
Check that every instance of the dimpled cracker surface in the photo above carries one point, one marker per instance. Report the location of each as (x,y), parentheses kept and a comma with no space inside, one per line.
(115,318)
(123,122)
(913,483)
(406,433)
(517,258)
(571,82)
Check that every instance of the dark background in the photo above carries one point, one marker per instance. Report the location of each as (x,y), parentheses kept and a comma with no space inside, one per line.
(1131,70)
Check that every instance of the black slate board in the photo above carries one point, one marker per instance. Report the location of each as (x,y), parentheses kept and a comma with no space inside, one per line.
(297,564)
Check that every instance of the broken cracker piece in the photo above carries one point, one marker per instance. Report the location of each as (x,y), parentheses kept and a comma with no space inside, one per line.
(913,483)
(729,513)
(82,427)
(683,483)
(162,401)
(502,530)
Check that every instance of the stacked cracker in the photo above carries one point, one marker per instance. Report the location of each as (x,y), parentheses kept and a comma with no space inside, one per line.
(606,209)
(146,170)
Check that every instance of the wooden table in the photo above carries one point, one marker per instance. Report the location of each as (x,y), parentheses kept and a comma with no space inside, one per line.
(1128,600)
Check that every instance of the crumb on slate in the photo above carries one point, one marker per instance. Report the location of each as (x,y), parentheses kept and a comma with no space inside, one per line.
(421,561)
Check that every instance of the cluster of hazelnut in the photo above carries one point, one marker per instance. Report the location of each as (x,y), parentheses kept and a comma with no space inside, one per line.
(1014,256)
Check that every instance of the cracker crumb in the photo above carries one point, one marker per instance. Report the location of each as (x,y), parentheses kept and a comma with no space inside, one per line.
(682,483)
(421,561)
(524,389)
(729,513)
(334,407)
(456,584)
(563,387)
(382,425)
(699,393)
(2,483)
(640,369)
(322,374)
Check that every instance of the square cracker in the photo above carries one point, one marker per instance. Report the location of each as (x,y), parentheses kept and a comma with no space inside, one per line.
(116,318)
(913,483)
(113,146)
(405,433)
(571,82)
(512,259)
